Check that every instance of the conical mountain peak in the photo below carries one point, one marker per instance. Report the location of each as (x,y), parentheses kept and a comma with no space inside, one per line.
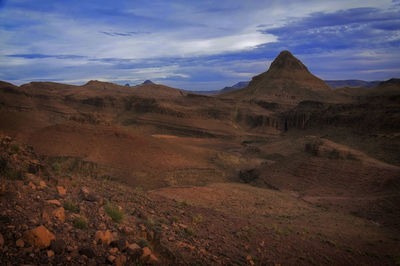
(286,61)
(287,80)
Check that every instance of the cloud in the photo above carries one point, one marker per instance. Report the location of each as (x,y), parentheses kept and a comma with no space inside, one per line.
(196,45)
(124,34)
(358,27)
(35,56)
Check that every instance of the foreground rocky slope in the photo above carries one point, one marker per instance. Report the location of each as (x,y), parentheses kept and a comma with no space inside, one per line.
(51,218)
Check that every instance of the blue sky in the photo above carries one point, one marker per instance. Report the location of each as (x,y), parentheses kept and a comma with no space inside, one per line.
(195,45)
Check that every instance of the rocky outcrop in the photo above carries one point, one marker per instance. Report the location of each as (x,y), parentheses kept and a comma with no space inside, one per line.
(39,237)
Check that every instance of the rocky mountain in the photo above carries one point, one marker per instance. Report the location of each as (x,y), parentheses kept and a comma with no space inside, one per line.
(147,81)
(287,80)
(237,86)
(352,83)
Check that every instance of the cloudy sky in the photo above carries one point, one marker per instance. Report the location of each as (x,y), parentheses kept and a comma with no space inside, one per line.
(195,45)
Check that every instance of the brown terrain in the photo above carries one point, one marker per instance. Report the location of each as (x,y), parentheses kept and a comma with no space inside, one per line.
(285,171)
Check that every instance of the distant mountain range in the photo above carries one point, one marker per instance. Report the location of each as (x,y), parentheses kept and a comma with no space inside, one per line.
(352,83)
(332,83)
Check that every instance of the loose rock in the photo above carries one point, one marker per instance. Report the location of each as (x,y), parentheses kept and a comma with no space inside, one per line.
(50,253)
(54,202)
(111,258)
(61,191)
(58,246)
(146,252)
(39,237)
(59,214)
(20,243)
(105,237)
(88,252)
(89,196)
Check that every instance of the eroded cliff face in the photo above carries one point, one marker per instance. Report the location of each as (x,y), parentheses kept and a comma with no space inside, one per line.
(362,115)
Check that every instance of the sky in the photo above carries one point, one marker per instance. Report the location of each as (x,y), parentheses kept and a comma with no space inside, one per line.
(195,45)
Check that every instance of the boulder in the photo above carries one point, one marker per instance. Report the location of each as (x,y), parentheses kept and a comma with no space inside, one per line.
(54,202)
(61,191)
(59,214)
(20,243)
(148,257)
(89,196)
(120,244)
(152,259)
(120,260)
(111,258)
(50,253)
(105,237)
(88,252)
(145,253)
(39,237)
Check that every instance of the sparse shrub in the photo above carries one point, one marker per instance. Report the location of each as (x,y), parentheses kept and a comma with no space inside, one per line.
(330,243)
(15,148)
(56,166)
(162,220)
(184,203)
(116,214)
(143,243)
(3,164)
(189,231)
(80,222)
(174,219)
(197,219)
(12,174)
(71,206)
(150,222)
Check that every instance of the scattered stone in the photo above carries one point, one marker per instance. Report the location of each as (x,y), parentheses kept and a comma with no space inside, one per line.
(30,176)
(3,189)
(152,259)
(249,258)
(42,184)
(105,237)
(61,191)
(120,244)
(111,258)
(87,195)
(20,243)
(120,261)
(134,247)
(88,252)
(58,246)
(45,216)
(50,253)
(113,250)
(146,252)
(126,229)
(54,202)
(39,237)
(59,214)
(31,185)
(102,226)
(183,226)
